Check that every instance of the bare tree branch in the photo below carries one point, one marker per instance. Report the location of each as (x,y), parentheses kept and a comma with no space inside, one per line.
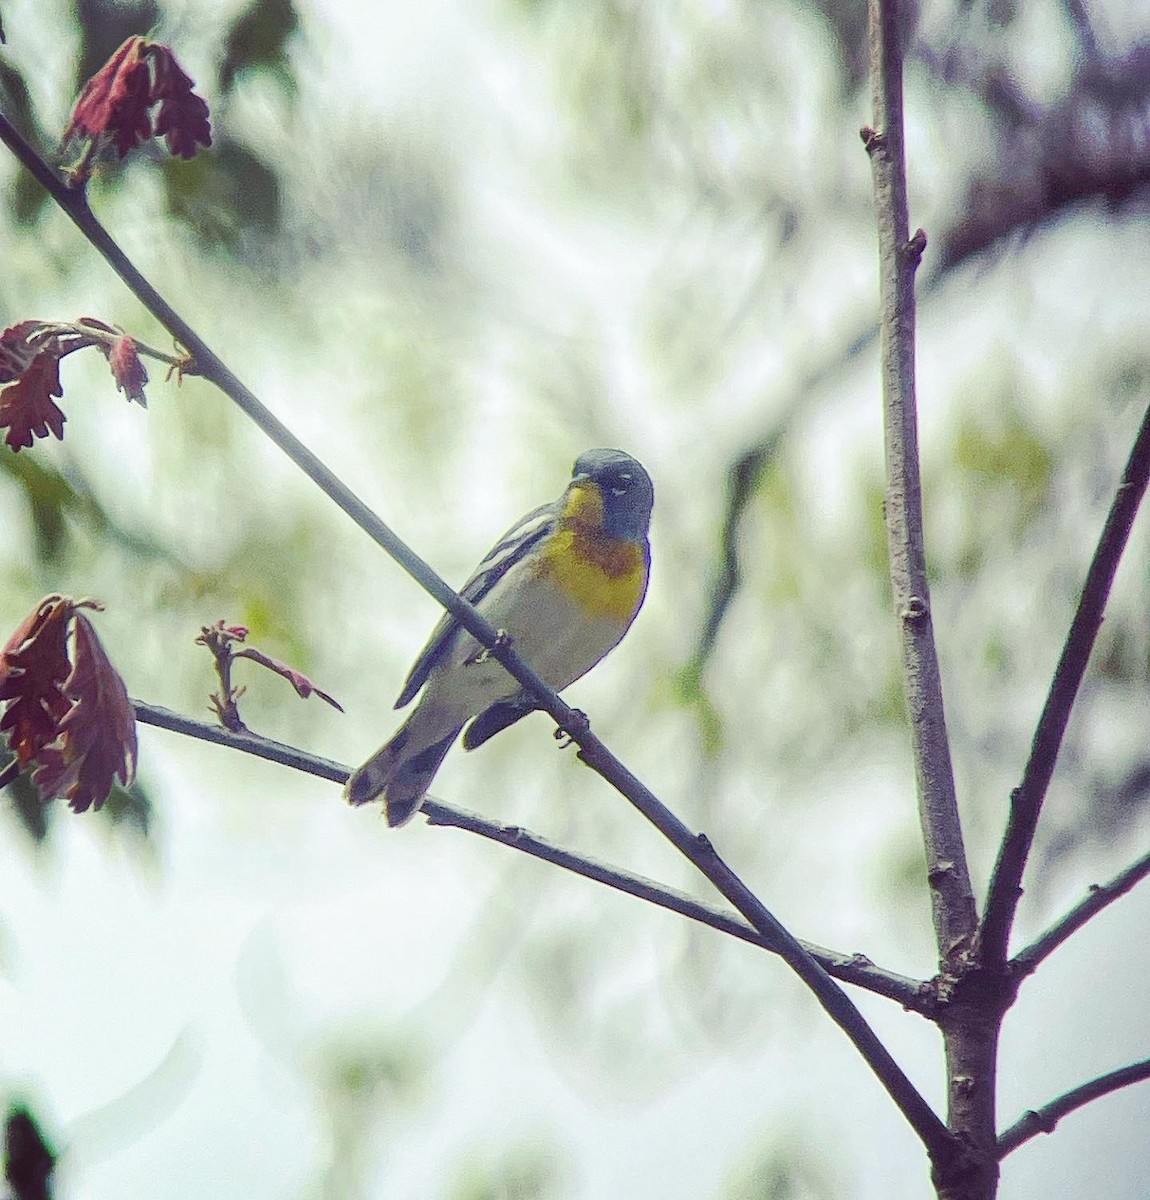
(1026,800)
(913,994)
(969,1030)
(1101,895)
(955,917)
(1044,1119)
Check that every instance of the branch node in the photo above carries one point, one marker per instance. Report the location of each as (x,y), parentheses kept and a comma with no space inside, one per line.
(915,248)
(964,1084)
(915,609)
(873,141)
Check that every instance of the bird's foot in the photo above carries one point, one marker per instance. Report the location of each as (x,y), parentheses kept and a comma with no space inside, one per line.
(503,641)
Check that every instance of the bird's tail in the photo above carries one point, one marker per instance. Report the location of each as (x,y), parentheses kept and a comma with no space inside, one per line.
(401,771)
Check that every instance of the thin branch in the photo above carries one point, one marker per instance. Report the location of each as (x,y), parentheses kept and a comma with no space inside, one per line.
(1026,800)
(698,849)
(953,907)
(913,994)
(1101,895)
(1044,1119)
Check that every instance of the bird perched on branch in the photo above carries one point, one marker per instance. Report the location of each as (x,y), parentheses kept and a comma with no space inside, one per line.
(565,583)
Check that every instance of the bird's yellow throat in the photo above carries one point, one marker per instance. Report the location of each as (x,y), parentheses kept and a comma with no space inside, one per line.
(606,576)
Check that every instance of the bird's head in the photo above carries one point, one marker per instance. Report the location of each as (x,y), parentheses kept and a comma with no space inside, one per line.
(611,490)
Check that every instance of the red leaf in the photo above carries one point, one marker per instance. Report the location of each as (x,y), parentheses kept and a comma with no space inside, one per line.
(182,115)
(116,106)
(34,669)
(127,369)
(97,739)
(302,684)
(113,107)
(17,351)
(27,409)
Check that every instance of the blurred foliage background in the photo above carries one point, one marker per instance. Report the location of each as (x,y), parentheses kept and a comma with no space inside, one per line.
(453,248)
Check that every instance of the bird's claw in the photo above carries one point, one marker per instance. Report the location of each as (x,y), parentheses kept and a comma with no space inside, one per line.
(503,641)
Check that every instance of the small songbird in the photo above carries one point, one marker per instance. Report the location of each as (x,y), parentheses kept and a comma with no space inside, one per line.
(565,583)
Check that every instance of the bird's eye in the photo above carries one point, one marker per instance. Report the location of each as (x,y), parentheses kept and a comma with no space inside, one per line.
(622,483)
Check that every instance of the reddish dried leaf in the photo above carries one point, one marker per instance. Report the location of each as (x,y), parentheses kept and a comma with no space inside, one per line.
(116,106)
(113,107)
(97,739)
(17,352)
(302,684)
(182,115)
(27,409)
(127,369)
(34,670)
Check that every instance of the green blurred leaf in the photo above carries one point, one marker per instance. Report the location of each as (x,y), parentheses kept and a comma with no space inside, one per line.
(524,1173)
(131,809)
(1011,454)
(104,24)
(26,198)
(259,39)
(56,499)
(689,692)
(50,499)
(224,195)
(785,1169)
(34,815)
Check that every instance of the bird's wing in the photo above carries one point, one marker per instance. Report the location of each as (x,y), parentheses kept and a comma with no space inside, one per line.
(519,540)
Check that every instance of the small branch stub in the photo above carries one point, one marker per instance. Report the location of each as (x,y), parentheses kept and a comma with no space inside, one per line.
(915,609)
(577,725)
(873,141)
(916,247)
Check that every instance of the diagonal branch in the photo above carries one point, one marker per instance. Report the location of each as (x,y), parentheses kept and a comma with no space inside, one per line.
(913,994)
(1026,800)
(1100,896)
(1044,1119)
(953,908)
(697,848)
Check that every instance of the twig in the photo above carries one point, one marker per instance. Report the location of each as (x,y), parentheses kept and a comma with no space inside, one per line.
(698,849)
(1101,895)
(955,916)
(1026,800)
(1044,1119)
(913,994)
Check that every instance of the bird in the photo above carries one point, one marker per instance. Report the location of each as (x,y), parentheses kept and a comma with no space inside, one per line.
(564,583)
